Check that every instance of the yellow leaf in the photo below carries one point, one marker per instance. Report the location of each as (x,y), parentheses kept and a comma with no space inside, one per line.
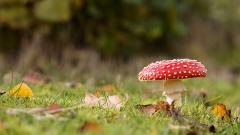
(21,90)
(220,111)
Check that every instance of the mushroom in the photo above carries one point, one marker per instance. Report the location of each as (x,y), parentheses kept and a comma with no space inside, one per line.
(173,71)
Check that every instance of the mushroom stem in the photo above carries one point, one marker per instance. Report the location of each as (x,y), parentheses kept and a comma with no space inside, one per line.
(173,90)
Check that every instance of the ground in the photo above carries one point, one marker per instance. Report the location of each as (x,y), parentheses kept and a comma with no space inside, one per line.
(129,120)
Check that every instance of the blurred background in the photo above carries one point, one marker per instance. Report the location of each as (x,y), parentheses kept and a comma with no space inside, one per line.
(82,38)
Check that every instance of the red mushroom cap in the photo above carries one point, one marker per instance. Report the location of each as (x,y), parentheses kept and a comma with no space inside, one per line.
(173,69)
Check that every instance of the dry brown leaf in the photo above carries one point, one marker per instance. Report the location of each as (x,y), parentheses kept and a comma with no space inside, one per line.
(91,126)
(153,108)
(220,111)
(53,106)
(114,101)
(164,106)
(90,100)
(54,109)
(97,94)
(148,109)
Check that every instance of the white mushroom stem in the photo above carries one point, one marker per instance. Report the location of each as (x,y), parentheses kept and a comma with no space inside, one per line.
(173,90)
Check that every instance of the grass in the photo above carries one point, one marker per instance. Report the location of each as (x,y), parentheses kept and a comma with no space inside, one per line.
(128,120)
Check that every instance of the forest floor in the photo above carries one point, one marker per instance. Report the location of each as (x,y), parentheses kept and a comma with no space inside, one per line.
(60,108)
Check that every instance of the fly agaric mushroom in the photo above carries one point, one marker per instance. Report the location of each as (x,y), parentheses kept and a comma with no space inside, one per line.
(172,71)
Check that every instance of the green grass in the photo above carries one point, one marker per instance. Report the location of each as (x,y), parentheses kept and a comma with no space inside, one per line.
(128,120)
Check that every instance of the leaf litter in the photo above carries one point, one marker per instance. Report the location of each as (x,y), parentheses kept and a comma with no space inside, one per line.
(116,102)
(55,110)
(175,113)
(91,100)
(21,90)
(220,111)
(153,108)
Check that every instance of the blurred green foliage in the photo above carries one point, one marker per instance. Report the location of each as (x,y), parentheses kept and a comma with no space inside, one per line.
(225,11)
(110,26)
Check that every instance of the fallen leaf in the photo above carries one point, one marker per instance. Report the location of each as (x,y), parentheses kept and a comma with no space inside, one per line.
(153,108)
(220,111)
(21,90)
(164,106)
(90,126)
(54,108)
(91,100)
(148,109)
(113,102)
(176,114)
(97,93)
